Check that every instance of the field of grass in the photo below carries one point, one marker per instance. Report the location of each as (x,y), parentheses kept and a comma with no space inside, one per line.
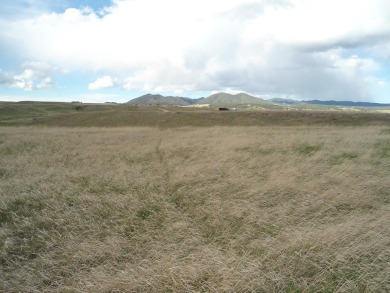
(172,119)
(22,113)
(195,209)
(108,115)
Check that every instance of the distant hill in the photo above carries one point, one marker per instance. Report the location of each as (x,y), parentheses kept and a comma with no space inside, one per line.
(194,101)
(215,100)
(150,99)
(285,101)
(240,100)
(327,103)
(345,103)
(225,99)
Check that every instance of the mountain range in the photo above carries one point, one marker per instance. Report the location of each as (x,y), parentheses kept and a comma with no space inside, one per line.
(215,100)
(240,100)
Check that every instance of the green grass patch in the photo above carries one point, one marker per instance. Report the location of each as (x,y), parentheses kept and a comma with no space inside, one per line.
(382,148)
(256,151)
(23,207)
(308,149)
(340,158)
(385,131)
(144,213)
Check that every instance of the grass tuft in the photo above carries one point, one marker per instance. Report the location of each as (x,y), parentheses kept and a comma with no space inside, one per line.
(385,131)
(382,148)
(345,156)
(308,149)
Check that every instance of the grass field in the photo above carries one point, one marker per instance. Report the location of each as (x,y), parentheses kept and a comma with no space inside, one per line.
(174,119)
(24,113)
(195,209)
(108,115)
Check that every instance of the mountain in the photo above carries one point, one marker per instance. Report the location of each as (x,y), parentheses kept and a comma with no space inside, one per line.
(215,100)
(240,100)
(150,99)
(225,99)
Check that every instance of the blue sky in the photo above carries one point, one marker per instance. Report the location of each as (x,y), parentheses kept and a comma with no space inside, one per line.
(97,51)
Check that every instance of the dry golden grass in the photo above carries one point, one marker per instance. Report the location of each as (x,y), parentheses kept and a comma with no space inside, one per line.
(216,209)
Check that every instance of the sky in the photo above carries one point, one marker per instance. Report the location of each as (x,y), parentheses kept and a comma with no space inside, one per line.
(117,50)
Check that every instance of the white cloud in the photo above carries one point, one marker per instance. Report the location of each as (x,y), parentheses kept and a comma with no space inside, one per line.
(293,47)
(45,83)
(34,76)
(105,82)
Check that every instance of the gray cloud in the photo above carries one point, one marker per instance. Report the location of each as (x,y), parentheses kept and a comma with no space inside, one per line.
(299,74)
(6,79)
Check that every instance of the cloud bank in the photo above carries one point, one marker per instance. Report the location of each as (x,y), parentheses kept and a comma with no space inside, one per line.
(301,48)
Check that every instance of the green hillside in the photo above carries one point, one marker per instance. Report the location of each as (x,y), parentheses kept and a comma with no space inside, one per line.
(150,99)
(17,113)
(241,100)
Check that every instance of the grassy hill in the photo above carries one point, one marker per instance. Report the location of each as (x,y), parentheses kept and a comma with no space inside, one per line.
(215,101)
(189,209)
(18,113)
(237,100)
(245,101)
(150,99)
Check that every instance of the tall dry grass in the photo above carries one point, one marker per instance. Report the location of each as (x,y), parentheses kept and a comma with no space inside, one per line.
(217,209)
